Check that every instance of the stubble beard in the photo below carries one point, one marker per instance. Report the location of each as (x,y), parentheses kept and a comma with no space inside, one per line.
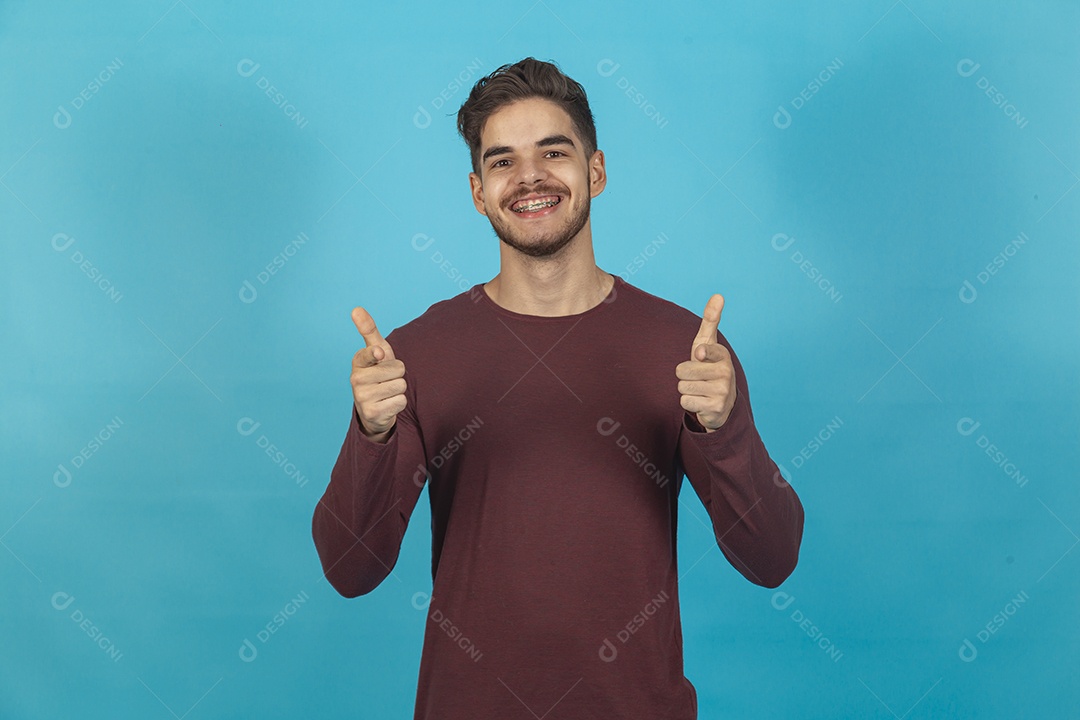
(546,244)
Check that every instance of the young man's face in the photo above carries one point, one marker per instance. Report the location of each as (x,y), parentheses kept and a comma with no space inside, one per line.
(528,149)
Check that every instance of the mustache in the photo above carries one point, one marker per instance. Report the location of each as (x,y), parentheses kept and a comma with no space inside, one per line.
(538,191)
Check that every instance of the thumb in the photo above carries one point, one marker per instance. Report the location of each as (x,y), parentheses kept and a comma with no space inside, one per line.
(364,323)
(709,321)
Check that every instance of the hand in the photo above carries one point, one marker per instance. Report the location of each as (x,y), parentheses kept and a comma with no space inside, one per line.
(707,379)
(378,379)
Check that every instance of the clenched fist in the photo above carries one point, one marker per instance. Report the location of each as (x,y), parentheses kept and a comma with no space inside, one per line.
(378,380)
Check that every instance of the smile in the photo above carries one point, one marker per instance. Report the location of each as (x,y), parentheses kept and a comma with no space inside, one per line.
(535,206)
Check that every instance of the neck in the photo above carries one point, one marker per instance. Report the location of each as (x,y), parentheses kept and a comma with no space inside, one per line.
(550,287)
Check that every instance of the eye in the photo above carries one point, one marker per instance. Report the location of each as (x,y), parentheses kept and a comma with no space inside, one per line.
(496,163)
(557,152)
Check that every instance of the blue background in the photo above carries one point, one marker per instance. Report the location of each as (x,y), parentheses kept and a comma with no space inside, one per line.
(147,176)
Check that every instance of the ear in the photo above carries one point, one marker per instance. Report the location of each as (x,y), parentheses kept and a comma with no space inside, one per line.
(476,188)
(597,174)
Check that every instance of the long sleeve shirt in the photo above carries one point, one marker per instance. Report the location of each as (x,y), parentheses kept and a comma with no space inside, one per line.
(553,450)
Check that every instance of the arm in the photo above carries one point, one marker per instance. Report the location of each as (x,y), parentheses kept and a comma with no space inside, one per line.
(756,516)
(360,521)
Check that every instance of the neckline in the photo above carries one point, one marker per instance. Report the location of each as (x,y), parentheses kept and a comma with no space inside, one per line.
(485,299)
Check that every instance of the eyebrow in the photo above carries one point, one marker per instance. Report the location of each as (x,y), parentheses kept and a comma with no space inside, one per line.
(544,142)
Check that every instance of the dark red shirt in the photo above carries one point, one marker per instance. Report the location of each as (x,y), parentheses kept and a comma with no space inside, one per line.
(553,449)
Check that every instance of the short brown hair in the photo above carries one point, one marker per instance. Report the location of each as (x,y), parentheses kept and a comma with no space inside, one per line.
(526,78)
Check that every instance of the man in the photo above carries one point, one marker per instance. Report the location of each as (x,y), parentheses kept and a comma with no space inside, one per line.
(552,412)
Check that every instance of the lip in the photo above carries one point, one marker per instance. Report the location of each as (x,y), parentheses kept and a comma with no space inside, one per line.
(543,212)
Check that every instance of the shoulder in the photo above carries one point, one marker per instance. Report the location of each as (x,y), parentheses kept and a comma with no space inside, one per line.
(659,312)
(443,320)
(665,319)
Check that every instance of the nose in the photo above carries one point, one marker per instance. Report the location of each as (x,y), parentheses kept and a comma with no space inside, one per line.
(531,171)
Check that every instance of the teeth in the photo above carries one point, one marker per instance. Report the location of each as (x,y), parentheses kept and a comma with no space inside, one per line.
(530,207)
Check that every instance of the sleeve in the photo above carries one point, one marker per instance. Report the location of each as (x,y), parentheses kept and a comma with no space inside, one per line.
(360,521)
(756,516)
